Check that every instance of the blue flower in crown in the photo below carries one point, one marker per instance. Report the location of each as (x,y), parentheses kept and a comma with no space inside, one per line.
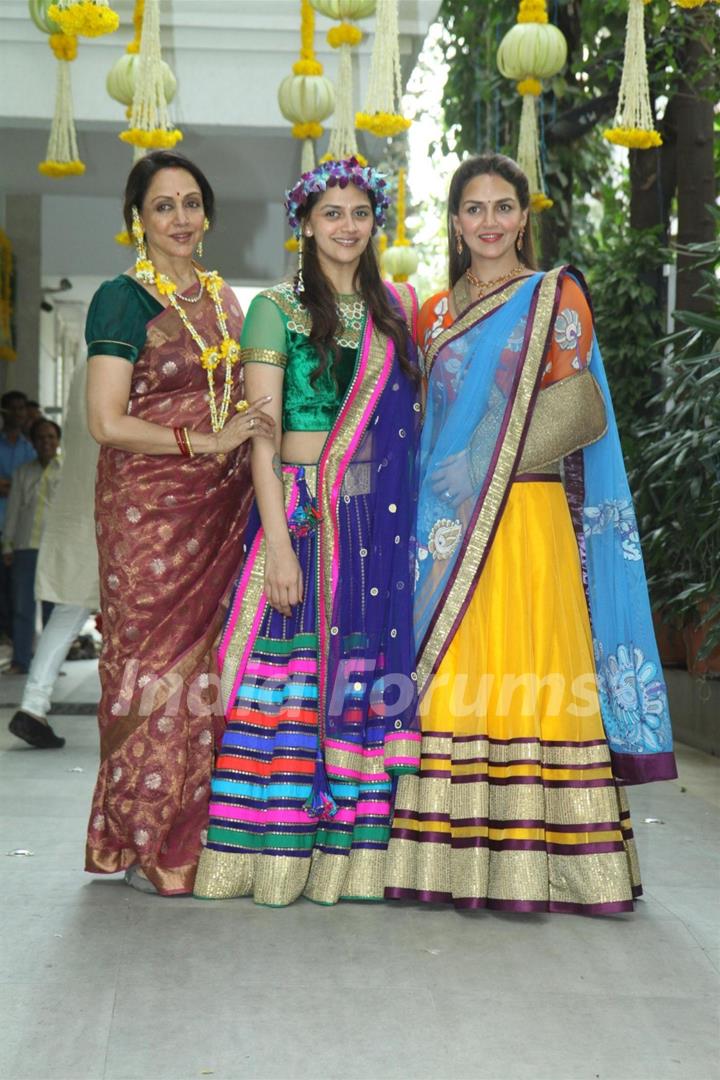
(337,174)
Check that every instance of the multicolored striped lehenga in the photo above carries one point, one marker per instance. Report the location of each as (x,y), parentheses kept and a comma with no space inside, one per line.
(321,706)
(541,690)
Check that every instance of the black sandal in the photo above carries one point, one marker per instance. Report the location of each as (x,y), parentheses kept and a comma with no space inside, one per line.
(34,732)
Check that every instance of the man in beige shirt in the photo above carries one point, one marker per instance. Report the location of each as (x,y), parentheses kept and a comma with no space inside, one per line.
(32,488)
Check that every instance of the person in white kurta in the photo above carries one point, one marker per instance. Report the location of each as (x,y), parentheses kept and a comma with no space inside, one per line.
(67,571)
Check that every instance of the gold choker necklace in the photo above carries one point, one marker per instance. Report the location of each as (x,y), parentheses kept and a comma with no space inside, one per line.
(488,286)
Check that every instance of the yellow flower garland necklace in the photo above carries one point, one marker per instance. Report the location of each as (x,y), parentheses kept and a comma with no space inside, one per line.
(211,356)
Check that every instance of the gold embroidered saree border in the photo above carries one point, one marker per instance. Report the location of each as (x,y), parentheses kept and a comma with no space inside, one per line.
(465,577)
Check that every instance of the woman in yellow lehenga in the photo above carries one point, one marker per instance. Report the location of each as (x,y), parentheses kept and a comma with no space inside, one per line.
(541,689)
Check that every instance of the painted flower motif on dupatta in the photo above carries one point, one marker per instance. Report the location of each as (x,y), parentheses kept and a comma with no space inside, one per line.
(633,699)
(618,515)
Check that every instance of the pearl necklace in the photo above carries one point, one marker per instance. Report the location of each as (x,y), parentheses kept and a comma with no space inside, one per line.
(211,356)
(192,299)
(488,286)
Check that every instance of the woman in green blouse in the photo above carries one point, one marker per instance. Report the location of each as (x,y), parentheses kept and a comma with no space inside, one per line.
(321,621)
(172,494)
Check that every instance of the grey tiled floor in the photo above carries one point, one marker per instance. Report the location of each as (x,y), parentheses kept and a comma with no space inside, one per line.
(102,983)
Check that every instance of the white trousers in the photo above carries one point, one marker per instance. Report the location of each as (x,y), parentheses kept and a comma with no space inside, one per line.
(63,626)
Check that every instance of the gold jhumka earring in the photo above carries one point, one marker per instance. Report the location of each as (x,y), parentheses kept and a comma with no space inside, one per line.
(199,248)
(520,238)
(459,243)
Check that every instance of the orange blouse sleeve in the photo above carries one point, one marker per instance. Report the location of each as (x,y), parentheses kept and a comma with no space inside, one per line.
(572,335)
(434,317)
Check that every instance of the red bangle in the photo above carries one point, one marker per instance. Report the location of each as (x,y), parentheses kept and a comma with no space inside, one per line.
(177,432)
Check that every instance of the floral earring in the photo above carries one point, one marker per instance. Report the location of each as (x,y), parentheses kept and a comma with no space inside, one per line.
(144,269)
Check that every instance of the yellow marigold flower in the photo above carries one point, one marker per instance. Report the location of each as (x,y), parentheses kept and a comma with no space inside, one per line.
(64,46)
(633,138)
(157,139)
(539,202)
(383,125)
(123,238)
(163,284)
(311,130)
(344,34)
(210,358)
(58,169)
(529,86)
(291,244)
(85,18)
(532,11)
(307,67)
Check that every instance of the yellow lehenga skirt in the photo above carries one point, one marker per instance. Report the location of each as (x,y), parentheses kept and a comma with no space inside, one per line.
(515,806)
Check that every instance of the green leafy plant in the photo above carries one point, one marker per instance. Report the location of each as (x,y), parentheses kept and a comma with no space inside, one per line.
(680,453)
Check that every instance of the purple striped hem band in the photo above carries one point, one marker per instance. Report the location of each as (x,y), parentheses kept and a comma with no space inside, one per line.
(604,847)
(644,768)
(515,823)
(615,907)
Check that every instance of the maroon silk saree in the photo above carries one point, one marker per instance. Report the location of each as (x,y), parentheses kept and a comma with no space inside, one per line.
(169,533)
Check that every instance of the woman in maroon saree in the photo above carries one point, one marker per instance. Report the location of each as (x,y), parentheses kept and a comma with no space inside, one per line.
(172,495)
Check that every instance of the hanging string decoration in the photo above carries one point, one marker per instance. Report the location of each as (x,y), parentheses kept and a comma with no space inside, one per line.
(61,157)
(7,352)
(400,259)
(85,18)
(531,51)
(344,38)
(150,126)
(382,116)
(306,97)
(138,16)
(634,126)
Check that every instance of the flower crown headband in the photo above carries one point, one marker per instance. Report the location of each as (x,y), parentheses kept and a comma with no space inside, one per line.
(337,174)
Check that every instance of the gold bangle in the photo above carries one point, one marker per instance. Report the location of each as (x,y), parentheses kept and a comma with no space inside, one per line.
(186,435)
(242,406)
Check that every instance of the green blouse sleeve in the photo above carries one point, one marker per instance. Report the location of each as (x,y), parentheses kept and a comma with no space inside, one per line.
(117,319)
(264,338)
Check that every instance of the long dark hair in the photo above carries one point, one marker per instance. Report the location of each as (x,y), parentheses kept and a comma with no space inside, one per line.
(319,299)
(482,165)
(143,171)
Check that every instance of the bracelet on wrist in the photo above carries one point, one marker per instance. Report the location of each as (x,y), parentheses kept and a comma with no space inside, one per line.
(180,440)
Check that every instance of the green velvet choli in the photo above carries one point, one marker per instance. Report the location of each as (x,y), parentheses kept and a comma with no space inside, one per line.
(277,331)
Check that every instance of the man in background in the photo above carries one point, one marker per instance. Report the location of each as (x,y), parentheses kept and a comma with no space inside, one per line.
(15,450)
(67,570)
(33,485)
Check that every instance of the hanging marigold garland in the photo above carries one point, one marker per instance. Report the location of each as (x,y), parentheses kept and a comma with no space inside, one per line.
(84,18)
(306,97)
(400,259)
(62,157)
(532,50)
(7,352)
(382,116)
(150,126)
(634,126)
(344,37)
